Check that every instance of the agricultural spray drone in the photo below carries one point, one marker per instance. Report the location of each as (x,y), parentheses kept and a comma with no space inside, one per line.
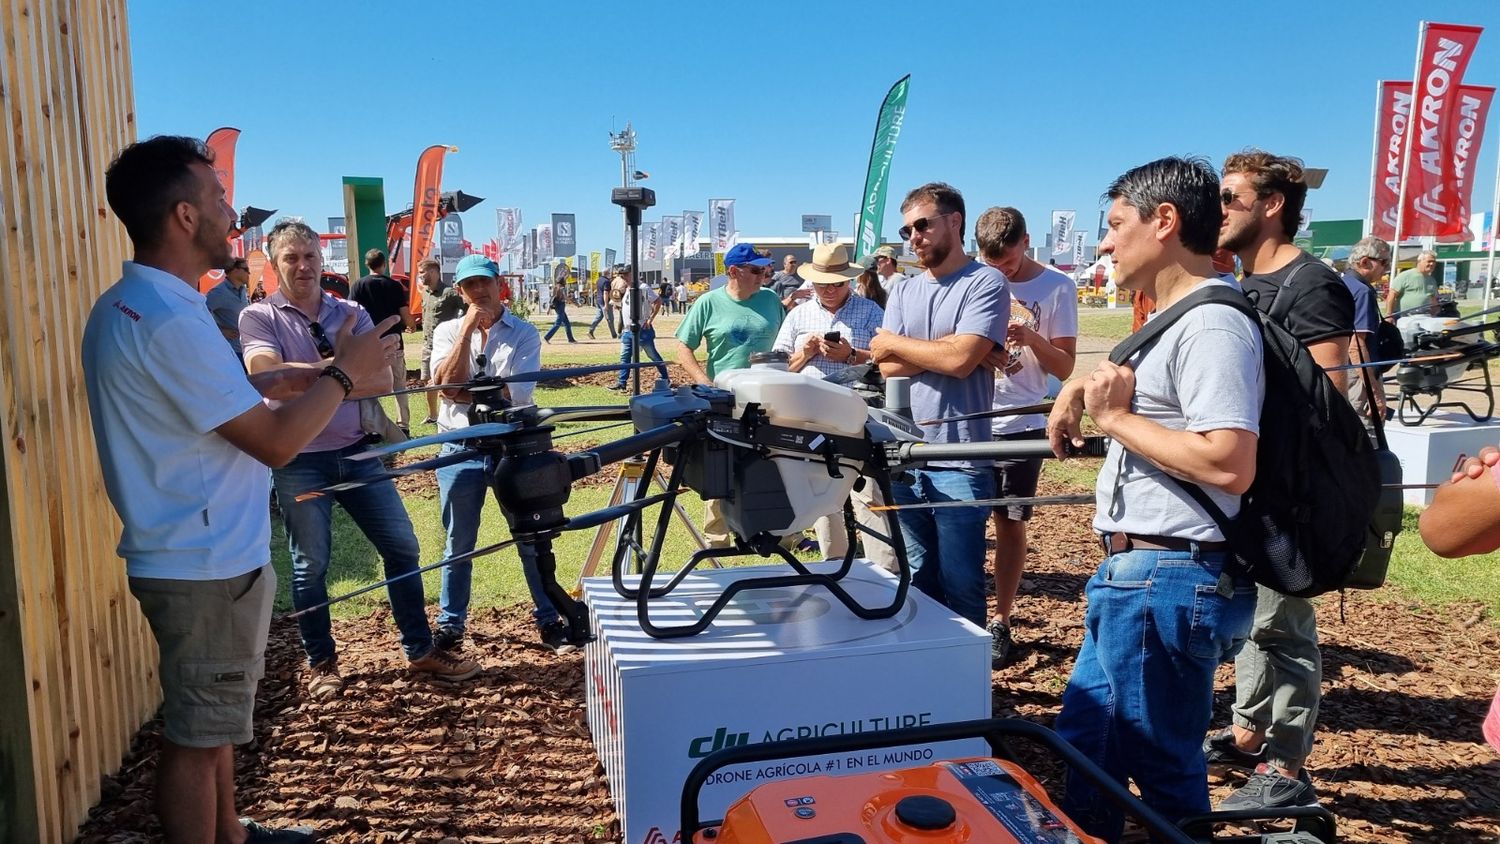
(777,449)
(1440,354)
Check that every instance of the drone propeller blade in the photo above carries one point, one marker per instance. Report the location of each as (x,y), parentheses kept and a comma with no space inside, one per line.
(1081,498)
(610,514)
(398,472)
(1044,407)
(497,382)
(463,385)
(588,413)
(1397,362)
(478,552)
(574,371)
(487,429)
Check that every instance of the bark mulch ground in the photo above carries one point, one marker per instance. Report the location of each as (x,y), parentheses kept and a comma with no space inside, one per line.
(507,757)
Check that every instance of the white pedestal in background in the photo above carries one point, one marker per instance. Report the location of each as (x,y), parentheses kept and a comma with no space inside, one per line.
(1428,451)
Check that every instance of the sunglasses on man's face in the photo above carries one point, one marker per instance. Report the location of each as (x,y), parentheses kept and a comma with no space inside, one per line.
(325,346)
(1227,197)
(754,270)
(919,225)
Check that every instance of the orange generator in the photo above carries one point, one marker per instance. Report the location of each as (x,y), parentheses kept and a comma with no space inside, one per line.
(962,801)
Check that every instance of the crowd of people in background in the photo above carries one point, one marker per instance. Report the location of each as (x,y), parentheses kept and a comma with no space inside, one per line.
(289,382)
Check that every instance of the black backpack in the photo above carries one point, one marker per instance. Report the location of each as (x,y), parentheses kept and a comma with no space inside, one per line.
(1303,524)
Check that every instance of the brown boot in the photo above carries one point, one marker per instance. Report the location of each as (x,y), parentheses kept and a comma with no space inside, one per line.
(444,666)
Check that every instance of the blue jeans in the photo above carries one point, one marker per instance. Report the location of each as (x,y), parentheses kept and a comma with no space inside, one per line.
(561,322)
(380,515)
(1141,695)
(606,316)
(461,490)
(946,547)
(627,352)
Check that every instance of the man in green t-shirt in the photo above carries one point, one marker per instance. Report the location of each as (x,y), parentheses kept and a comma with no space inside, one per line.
(737,320)
(1414,288)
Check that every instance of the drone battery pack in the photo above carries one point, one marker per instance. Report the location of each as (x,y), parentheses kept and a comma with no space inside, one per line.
(967,800)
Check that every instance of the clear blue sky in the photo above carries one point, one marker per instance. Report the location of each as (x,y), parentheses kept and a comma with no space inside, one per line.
(1036,105)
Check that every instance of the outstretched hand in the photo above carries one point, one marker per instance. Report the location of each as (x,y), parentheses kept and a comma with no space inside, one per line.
(363,357)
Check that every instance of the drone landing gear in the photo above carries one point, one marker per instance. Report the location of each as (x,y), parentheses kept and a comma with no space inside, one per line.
(631,483)
(763,545)
(1420,414)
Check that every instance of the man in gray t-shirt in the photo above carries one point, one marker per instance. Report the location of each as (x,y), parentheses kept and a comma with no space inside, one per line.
(1163,611)
(938,329)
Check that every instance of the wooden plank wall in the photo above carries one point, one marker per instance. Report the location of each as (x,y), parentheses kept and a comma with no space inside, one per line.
(77,663)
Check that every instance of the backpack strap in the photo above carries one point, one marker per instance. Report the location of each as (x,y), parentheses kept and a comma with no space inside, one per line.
(1281,305)
(1215,293)
(1204,294)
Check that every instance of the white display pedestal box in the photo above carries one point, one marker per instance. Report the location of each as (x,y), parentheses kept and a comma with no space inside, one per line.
(777,664)
(1427,452)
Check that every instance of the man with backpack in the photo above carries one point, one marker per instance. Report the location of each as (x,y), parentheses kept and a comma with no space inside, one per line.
(1279,673)
(1181,400)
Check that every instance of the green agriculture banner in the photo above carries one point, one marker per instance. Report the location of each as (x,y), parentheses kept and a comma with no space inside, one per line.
(887,129)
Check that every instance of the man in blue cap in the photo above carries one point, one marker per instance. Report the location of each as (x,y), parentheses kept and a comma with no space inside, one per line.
(737,320)
(489,340)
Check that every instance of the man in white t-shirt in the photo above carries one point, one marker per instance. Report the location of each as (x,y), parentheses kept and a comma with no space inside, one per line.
(1042,341)
(650,304)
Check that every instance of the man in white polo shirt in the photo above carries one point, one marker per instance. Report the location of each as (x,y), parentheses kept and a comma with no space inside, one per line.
(491,340)
(184,441)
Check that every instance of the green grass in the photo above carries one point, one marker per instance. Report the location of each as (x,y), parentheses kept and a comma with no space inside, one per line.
(497,578)
(1423,575)
(1416,574)
(1104,324)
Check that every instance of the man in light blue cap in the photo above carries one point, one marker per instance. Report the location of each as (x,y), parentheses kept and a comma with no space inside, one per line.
(489,340)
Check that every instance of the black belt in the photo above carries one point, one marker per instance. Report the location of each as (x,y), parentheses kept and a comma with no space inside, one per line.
(1119,543)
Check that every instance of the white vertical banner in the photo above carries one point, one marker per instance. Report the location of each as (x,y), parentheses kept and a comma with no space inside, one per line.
(692,226)
(721,223)
(671,236)
(1062,234)
(1078,246)
(544,242)
(651,233)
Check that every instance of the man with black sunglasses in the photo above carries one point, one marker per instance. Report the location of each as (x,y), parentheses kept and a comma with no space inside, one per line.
(938,329)
(1279,673)
(288,331)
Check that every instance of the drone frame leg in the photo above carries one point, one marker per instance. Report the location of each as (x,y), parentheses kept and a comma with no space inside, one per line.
(631,482)
(1487,390)
(803,577)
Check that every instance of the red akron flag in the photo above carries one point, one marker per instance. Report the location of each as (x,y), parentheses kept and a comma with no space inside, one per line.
(1390,132)
(1438,170)
(426,198)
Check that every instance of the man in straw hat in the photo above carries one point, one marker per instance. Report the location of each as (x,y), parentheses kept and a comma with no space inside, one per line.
(824,336)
